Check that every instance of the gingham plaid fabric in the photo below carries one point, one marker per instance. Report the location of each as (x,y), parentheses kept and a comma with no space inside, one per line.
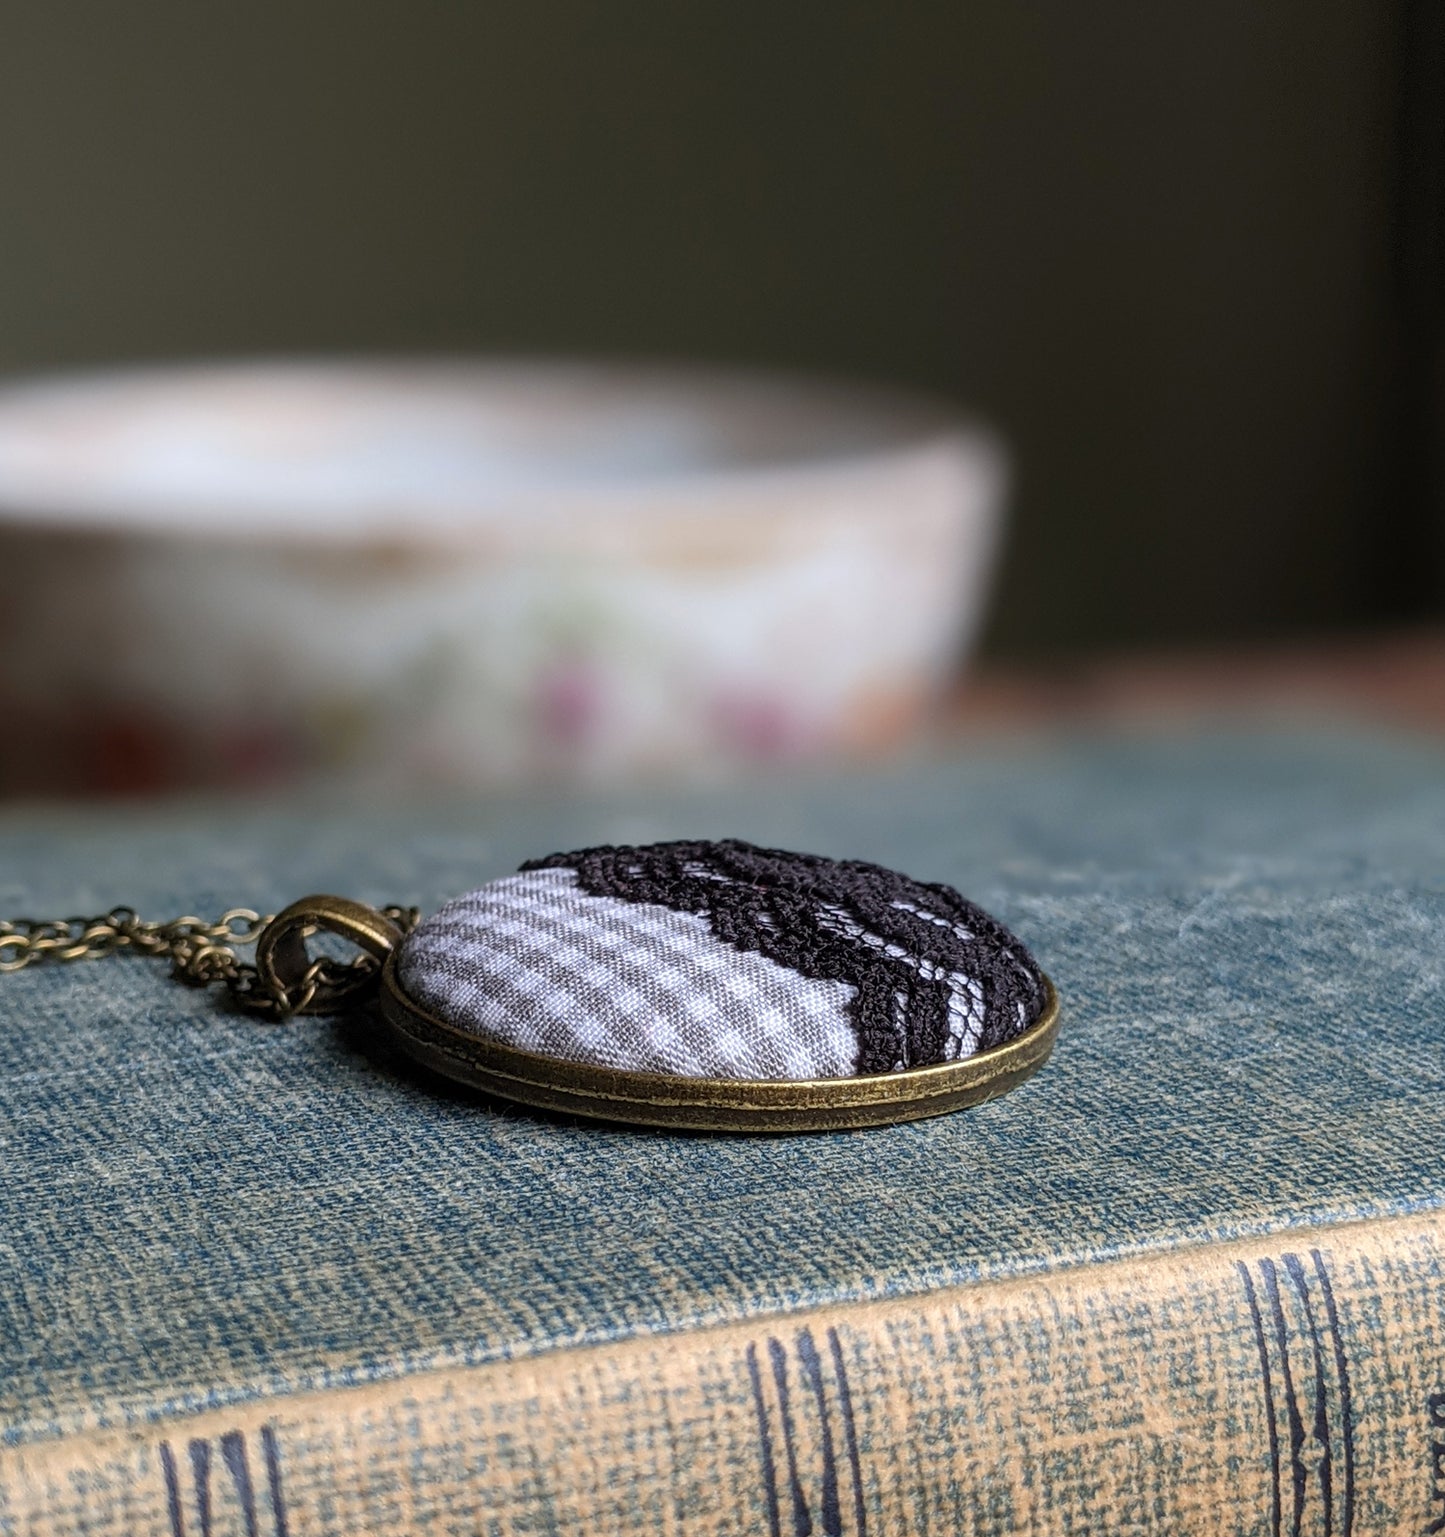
(535,962)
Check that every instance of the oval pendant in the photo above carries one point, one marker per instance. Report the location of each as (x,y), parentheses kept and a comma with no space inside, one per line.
(719,986)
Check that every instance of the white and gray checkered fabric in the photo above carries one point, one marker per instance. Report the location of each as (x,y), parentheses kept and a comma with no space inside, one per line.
(532,961)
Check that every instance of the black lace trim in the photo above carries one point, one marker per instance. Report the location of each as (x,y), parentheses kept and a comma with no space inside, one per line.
(834,919)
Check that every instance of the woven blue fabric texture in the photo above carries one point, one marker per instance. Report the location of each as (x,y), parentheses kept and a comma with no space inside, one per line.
(1248,936)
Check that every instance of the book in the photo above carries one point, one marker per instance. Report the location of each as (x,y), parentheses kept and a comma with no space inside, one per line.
(1190,1279)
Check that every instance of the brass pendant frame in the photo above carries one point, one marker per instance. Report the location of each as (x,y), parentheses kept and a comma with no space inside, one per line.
(713,1104)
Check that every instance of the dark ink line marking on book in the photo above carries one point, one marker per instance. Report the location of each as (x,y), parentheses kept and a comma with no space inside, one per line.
(1435,1464)
(233,1454)
(1342,1371)
(765,1441)
(813,1370)
(1262,1344)
(1296,1273)
(200,1450)
(802,1516)
(173,1491)
(272,1451)
(543,1516)
(850,1429)
(1298,1472)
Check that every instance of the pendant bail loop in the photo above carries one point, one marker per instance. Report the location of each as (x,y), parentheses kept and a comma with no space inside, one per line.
(295,982)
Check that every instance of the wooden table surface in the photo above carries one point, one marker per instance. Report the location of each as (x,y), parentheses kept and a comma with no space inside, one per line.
(1396,679)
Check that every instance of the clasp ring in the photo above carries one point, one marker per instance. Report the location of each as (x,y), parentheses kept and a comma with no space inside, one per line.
(295,982)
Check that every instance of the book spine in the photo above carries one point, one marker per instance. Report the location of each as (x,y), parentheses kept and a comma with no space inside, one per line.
(1286,1385)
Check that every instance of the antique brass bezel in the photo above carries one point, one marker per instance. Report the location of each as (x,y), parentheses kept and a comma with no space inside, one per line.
(713,1104)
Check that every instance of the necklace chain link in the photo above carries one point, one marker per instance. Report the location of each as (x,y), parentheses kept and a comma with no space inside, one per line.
(200,953)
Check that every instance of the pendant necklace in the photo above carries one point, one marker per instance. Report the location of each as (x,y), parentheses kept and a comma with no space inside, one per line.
(711,986)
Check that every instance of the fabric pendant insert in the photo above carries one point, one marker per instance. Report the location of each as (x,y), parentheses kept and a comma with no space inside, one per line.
(721,986)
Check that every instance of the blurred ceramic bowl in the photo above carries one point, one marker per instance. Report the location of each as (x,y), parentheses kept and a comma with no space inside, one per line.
(473,572)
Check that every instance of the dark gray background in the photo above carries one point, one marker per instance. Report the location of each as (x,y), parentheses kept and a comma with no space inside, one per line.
(1184,255)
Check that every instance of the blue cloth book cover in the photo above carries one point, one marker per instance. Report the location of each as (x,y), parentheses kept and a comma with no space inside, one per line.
(272,1279)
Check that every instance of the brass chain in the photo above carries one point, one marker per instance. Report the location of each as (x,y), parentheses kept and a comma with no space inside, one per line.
(200,953)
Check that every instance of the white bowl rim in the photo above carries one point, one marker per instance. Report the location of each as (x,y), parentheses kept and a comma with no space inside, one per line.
(64,443)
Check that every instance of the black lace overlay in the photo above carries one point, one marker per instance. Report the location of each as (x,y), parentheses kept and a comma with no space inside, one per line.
(909,949)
